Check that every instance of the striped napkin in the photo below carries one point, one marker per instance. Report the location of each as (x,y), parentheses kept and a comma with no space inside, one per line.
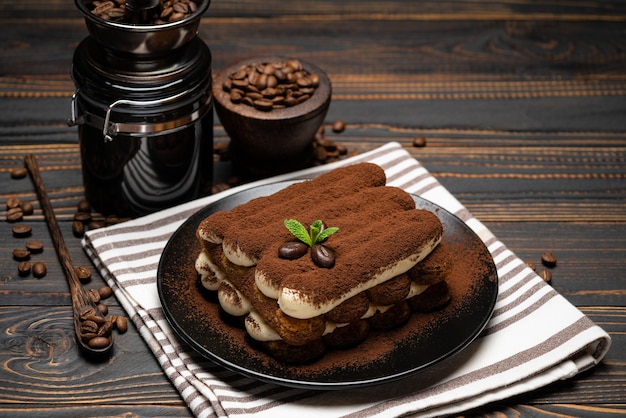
(535,337)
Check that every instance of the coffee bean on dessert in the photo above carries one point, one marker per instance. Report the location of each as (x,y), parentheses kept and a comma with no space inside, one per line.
(83,273)
(546,276)
(34,246)
(292,250)
(20,254)
(22,230)
(23,268)
(548,259)
(83,206)
(419,141)
(78,229)
(27,208)
(39,270)
(105,292)
(15,214)
(19,173)
(339,126)
(323,256)
(13,202)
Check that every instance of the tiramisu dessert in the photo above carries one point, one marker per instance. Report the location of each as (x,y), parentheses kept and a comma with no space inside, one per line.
(321,263)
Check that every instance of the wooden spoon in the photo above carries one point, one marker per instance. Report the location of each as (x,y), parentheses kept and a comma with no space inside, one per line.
(83,307)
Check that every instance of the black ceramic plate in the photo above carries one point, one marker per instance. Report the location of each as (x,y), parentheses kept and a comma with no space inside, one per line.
(423,342)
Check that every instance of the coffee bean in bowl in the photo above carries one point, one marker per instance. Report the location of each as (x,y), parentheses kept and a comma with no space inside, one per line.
(271,108)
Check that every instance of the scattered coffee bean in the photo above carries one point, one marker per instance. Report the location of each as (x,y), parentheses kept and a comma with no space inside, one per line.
(94,296)
(82,216)
(39,270)
(19,173)
(20,254)
(13,202)
(271,85)
(323,256)
(83,206)
(339,126)
(419,142)
(83,273)
(121,324)
(27,208)
(34,246)
(15,214)
(94,225)
(546,276)
(548,259)
(78,229)
(105,292)
(102,308)
(292,250)
(22,230)
(532,265)
(23,268)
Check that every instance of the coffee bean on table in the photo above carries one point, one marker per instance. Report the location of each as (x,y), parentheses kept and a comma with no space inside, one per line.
(83,206)
(39,270)
(15,214)
(339,126)
(419,142)
(23,268)
(22,230)
(82,216)
(105,292)
(27,208)
(78,229)
(548,259)
(121,324)
(34,246)
(93,295)
(102,308)
(13,202)
(546,276)
(19,173)
(20,254)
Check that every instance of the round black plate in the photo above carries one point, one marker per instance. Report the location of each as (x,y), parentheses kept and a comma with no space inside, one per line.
(424,341)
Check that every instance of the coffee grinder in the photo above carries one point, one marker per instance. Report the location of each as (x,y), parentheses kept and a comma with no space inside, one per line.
(143,106)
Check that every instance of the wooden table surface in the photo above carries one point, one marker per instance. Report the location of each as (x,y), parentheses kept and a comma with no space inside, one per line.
(522,105)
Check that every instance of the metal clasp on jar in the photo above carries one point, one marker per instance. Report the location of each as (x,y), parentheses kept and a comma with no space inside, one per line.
(110,128)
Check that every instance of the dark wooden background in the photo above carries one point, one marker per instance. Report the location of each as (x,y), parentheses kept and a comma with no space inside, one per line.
(522,104)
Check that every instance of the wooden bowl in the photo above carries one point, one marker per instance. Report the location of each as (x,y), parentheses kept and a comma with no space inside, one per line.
(270,142)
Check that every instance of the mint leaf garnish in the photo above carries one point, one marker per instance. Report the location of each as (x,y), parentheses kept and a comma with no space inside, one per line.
(316,233)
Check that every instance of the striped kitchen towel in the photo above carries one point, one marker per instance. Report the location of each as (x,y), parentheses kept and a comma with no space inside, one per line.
(518,351)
